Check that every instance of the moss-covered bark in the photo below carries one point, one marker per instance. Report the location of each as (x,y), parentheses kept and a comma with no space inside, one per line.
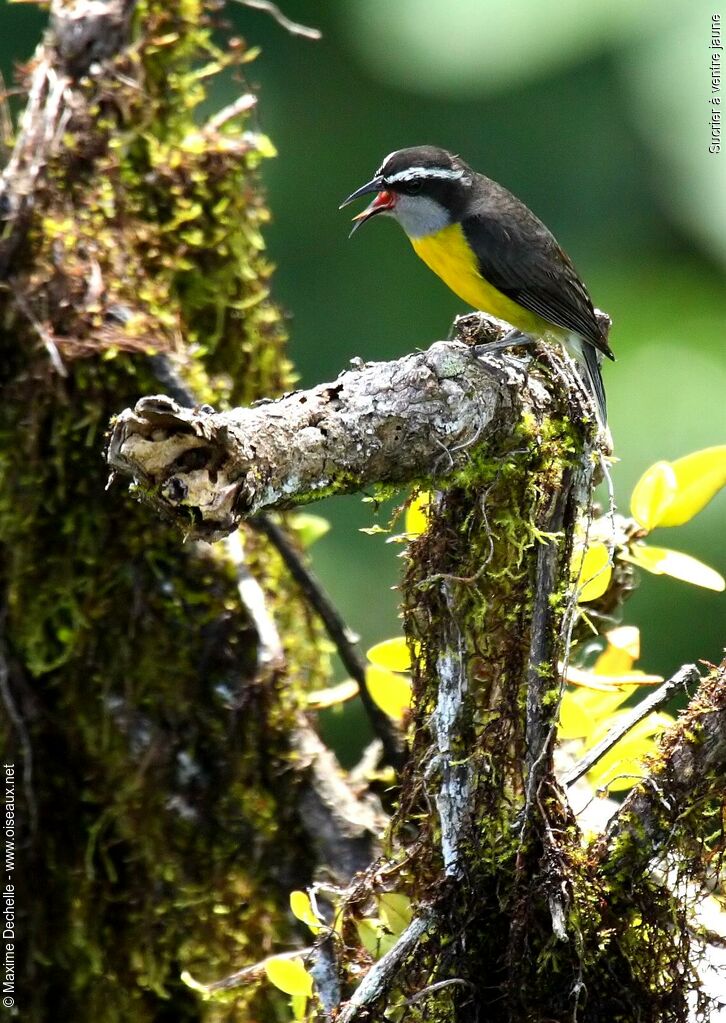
(158,824)
(471,595)
(524,922)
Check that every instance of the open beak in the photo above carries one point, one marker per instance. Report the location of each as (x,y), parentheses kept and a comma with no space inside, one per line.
(383,201)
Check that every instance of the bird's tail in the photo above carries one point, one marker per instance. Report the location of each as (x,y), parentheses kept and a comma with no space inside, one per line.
(588,360)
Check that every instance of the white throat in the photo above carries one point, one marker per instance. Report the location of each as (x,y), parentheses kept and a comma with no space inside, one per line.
(419,215)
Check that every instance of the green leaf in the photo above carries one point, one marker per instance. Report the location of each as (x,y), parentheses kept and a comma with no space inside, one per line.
(699,477)
(395,910)
(369,934)
(289,975)
(299,1006)
(653,494)
(309,528)
(373,937)
(662,561)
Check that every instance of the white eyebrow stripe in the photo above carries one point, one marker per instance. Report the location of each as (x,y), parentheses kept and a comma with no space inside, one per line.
(410,173)
(380,169)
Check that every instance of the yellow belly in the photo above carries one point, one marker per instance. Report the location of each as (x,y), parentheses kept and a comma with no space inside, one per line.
(448,254)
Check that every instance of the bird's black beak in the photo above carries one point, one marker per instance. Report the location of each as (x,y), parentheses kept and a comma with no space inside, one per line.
(375,185)
(383,201)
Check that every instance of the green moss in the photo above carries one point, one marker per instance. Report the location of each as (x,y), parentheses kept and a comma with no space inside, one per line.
(166,805)
(472,575)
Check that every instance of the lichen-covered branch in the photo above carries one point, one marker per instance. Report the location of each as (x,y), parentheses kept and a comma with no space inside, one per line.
(385,974)
(382,423)
(688,772)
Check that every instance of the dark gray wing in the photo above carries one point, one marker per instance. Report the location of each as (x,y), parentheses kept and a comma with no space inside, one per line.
(521,258)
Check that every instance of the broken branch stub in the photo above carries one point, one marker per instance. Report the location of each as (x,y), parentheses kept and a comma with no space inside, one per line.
(381,423)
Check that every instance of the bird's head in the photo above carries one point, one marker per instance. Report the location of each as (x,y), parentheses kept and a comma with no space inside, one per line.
(424,188)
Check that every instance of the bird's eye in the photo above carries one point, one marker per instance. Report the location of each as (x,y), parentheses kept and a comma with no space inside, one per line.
(414,187)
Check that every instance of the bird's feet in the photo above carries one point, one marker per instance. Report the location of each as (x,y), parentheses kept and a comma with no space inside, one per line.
(512,339)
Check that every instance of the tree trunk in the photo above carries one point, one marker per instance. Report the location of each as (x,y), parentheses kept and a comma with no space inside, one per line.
(159,778)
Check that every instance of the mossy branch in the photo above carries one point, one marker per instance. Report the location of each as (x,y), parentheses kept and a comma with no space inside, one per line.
(498,869)
(80,33)
(382,423)
(688,773)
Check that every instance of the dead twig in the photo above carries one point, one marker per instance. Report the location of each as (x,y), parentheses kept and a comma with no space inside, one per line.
(338,631)
(270,653)
(688,673)
(293,27)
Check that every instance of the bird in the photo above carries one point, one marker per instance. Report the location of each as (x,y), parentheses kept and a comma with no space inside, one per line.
(492,252)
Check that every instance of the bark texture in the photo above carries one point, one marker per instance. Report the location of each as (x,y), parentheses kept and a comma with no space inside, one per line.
(382,423)
(160,756)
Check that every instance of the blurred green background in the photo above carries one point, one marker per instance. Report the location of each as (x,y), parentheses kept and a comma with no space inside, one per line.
(597,115)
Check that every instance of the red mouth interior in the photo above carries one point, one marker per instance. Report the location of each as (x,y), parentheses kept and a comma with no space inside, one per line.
(383,199)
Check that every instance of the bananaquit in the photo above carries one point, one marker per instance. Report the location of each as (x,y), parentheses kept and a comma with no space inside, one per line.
(491,250)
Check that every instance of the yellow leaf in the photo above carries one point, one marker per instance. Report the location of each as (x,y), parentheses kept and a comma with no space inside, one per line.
(612,661)
(289,975)
(653,494)
(699,477)
(596,679)
(392,654)
(331,697)
(575,721)
(622,766)
(587,678)
(417,517)
(395,910)
(593,572)
(302,908)
(662,561)
(389,691)
(582,710)
(299,1006)
(614,666)
(626,639)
